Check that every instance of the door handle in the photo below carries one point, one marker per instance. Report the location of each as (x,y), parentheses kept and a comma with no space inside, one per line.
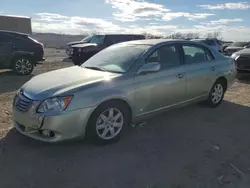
(213,68)
(180,75)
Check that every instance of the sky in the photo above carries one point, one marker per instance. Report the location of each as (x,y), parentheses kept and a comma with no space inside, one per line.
(159,17)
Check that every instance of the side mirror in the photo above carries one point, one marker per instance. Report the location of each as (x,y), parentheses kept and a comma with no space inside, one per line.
(149,67)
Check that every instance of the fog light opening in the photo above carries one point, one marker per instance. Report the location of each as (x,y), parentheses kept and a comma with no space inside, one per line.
(48,133)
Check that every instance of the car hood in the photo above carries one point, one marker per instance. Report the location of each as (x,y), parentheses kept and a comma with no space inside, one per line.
(234,48)
(76,42)
(245,51)
(84,45)
(64,81)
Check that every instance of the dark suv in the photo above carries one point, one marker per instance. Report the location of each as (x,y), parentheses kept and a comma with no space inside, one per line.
(19,52)
(213,42)
(82,52)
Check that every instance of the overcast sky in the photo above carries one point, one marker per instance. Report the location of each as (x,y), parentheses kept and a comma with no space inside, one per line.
(161,17)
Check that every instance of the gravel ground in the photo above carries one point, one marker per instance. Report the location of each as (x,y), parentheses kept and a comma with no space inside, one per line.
(189,147)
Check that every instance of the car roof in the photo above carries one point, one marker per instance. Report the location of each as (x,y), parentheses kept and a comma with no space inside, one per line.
(123,34)
(13,33)
(205,39)
(153,41)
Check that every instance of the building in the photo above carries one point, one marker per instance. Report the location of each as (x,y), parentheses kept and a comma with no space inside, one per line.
(16,23)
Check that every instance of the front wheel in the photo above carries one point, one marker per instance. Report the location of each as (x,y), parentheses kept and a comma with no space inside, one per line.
(23,66)
(107,122)
(78,63)
(216,94)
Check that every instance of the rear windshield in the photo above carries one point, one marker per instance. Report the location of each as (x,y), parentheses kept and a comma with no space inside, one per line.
(34,40)
(239,44)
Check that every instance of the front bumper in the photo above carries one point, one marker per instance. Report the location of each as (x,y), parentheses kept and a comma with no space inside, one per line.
(65,126)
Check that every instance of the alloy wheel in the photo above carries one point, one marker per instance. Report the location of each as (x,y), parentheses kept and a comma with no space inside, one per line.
(217,93)
(109,123)
(23,66)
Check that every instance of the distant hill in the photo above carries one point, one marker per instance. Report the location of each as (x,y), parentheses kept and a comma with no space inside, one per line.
(52,40)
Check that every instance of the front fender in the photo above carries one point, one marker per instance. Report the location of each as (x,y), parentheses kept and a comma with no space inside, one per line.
(94,99)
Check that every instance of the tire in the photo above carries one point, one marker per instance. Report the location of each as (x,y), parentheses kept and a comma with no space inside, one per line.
(23,66)
(78,63)
(107,122)
(216,94)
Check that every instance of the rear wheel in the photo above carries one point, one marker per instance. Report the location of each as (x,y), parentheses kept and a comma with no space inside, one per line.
(23,66)
(107,122)
(216,94)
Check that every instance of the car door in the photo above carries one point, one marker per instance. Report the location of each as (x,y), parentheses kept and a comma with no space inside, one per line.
(166,87)
(5,50)
(201,68)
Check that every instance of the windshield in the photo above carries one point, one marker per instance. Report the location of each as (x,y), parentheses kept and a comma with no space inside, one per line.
(87,39)
(97,39)
(117,58)
(239,44)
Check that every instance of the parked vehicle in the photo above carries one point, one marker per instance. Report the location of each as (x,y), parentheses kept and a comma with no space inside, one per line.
(19,52)
(213,42)
(236,46)
(83,41)
(82,52)
(225,45)
(242,59)
(124,83)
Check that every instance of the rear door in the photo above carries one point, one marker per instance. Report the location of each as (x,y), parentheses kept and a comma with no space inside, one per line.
(6,48)
(200,70)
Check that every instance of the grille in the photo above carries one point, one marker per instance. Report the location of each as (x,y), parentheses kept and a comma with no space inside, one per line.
(22,102)
(243,63)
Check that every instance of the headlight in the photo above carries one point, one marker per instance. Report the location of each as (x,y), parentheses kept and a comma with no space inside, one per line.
(55,104)
(234,55)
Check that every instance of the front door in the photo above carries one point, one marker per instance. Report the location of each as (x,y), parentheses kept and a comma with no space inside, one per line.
(200,68)
(158,90)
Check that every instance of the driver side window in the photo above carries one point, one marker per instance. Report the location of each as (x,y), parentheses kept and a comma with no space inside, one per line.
(168,56)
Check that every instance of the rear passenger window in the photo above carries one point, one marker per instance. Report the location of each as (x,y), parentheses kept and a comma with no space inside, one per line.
(196,54)
(167,56)
(110,40)
(5,38)
(114,39)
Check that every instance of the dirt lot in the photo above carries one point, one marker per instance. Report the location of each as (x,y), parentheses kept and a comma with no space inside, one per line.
(193,147)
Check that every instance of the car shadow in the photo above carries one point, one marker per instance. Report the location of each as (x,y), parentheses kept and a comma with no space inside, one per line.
(10,82)
(67,60)
(245,79)
(182,147)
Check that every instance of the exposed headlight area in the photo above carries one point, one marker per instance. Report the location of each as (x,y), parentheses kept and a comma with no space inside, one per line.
(56,104)
(234,55)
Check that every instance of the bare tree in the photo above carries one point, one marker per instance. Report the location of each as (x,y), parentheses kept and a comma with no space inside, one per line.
(215,34)
(151,36)
(192,35)
(178,35)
